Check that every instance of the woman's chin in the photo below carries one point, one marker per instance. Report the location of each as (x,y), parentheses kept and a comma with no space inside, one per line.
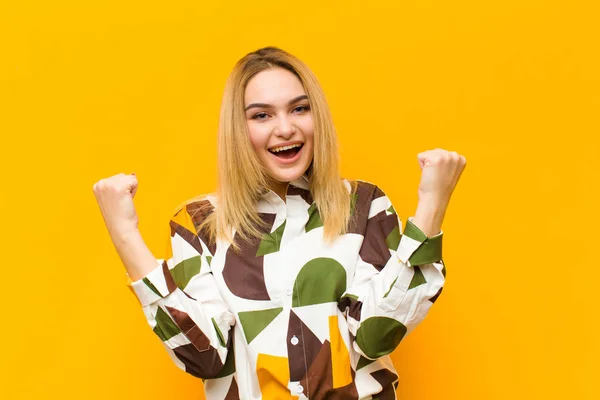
(286,176)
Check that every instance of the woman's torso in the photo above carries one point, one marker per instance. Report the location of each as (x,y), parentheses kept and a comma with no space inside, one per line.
(291,338)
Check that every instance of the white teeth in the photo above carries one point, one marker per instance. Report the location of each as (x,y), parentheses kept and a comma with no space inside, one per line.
(278,149)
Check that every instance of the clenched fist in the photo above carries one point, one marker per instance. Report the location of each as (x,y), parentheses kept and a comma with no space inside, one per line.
(440,172)
(115,198)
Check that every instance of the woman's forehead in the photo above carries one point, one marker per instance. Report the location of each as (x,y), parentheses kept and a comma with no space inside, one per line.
(273,86)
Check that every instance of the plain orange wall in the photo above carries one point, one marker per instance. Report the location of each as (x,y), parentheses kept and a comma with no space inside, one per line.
(92,89)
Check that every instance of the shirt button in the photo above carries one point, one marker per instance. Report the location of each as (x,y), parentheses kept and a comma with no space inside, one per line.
(294,340)
(289,291)
(299,389)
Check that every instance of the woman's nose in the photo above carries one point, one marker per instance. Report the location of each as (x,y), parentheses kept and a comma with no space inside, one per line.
(284,127)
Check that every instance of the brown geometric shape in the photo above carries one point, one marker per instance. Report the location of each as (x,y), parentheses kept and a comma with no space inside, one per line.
(435,297)
(190,329)
(364,196)
(244,271)
(354,307)
(171,285)
(199,357)
(298,191)
(188,236)
(198,211)
(377,193)
(305,351)
(318,382)
(374,249)
(386,379)
(205,364)
(233,393)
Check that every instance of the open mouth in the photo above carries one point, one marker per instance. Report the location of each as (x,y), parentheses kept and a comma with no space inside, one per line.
(287,152)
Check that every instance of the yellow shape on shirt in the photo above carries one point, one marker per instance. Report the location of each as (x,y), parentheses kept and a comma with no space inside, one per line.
(340,358)
(273,376)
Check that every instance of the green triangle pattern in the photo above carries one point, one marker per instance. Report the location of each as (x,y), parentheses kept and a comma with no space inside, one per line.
(314,218)
(393,239)
(184,271)
(165,328)
(353,202)
(229,366)
(390,289)
(391,210)
(271,242)
(363,362)
(151,286)
(254,322)
(219,333)
(417,279)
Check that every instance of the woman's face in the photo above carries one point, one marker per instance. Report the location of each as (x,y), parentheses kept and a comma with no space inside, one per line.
(280,123)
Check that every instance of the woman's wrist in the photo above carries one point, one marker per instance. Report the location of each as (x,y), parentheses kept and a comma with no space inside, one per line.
(429,217)
(135,255)
(123,237)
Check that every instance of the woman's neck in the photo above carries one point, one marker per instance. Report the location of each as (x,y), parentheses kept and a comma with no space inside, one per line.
(280,188)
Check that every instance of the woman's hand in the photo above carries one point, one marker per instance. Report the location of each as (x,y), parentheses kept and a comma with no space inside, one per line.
(115,198)
(440,172)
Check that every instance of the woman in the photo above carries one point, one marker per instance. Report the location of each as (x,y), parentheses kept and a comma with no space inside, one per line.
(289,282)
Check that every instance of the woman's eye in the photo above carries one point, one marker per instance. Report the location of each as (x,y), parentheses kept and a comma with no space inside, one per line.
(302,108)
(259,116)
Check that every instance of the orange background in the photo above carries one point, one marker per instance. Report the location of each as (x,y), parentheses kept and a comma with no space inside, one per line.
(92,89)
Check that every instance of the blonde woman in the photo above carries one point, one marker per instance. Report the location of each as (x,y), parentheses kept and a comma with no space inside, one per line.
(289,282)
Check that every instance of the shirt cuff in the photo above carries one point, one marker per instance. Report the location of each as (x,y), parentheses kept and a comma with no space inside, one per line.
(158,284)
(416,248)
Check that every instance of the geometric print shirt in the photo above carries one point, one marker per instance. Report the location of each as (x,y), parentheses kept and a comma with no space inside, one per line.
(290,316)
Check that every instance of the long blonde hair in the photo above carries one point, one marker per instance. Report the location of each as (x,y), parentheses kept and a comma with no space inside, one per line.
(242,177)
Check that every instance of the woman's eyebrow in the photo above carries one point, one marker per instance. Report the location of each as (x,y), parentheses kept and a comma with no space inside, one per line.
(264,105)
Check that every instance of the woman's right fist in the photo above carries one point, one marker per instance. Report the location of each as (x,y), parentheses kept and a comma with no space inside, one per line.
(115,198)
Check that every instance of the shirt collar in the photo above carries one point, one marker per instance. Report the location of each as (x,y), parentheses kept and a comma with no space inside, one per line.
(301,182)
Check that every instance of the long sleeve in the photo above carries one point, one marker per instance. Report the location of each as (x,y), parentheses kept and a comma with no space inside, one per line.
(182,304)
(397,279)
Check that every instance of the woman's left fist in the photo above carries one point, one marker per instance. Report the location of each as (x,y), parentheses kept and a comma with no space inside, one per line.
(440,172)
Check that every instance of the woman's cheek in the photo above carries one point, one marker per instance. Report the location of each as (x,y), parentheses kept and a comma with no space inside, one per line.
(256,138)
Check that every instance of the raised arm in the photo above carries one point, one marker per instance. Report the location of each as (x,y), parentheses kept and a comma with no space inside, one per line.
(400,273)
(398,276)
(178,293)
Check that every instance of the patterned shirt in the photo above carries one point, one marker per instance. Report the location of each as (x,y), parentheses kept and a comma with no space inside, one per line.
(291,316)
